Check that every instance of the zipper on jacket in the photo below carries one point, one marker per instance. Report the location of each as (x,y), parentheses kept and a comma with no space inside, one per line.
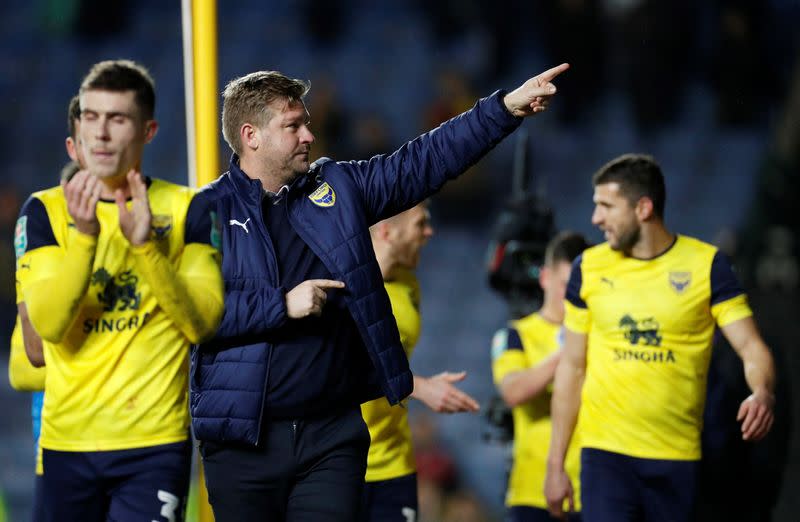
(271,248)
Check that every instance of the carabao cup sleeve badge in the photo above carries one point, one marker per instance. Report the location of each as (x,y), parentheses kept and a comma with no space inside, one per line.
(323,196)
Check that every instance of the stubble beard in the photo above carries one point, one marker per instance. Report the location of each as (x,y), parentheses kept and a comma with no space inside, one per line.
(627,239)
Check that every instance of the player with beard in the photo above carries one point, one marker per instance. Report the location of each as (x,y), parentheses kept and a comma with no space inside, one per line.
(641,310)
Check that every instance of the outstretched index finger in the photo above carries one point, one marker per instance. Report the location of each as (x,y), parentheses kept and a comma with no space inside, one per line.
(550,74)
(327,283)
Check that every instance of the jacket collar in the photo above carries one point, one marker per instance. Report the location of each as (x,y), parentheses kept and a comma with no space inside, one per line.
(252,189)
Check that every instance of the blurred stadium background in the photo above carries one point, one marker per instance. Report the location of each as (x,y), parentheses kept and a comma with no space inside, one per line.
(711,88)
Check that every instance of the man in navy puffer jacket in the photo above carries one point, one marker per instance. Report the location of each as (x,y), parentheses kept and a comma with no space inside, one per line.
(308,332)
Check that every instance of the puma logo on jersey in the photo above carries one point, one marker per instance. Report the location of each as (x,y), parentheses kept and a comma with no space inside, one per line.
(240,224)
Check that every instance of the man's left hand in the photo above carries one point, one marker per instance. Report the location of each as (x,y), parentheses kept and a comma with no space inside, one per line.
(756,415)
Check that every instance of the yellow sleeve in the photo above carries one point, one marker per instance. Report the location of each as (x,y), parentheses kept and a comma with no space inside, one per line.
(53,281)
(22,375)
(576,318)
(508,355)
(192,294)
(732,310)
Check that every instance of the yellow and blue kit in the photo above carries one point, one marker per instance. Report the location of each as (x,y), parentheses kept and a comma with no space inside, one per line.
(24,376)
(525,344)
(117,319)
(391,454)
(649,324)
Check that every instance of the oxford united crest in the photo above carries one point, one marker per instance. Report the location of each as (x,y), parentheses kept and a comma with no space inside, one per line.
(679,281)
(323,196)
(160,226)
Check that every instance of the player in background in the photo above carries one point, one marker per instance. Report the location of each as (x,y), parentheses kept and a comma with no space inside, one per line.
(524,360)
(641,310)
(390,492)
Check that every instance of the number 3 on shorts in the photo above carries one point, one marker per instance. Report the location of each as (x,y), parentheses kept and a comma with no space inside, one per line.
(410,514)
(171,505)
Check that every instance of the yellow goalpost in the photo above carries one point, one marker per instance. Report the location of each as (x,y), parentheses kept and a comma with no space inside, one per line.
(199,21)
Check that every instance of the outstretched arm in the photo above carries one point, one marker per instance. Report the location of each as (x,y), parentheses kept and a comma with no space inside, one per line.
(534,95)
(394,182)
(441,395)
(756,412)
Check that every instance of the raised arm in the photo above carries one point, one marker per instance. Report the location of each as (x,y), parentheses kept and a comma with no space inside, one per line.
(54,278)
(191,293)
(395,182)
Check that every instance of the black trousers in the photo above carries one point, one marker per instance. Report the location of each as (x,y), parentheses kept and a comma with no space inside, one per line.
(304,470)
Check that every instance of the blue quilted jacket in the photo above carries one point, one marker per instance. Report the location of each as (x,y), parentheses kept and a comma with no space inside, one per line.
(331,209)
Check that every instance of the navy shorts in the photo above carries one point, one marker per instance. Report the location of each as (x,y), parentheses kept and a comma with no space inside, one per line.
(620,488)
(38,499)
(132,485)
(534,514)
(390,500)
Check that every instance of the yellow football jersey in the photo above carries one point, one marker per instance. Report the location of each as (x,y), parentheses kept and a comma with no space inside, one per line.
(649,325)
(527,343)
(117,377)
(391,454)
(22,375)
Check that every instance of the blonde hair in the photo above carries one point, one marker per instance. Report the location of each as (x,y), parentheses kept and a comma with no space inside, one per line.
(246,100)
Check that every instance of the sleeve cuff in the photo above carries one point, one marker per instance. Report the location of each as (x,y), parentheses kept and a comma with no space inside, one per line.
(143,249)
(85,240)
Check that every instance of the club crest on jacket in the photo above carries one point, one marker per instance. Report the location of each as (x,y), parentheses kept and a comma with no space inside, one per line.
(323,196)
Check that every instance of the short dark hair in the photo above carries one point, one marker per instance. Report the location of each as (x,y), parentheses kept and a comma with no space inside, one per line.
(73,114)
(245,100)
(638,176)
(564,248)
(121,76)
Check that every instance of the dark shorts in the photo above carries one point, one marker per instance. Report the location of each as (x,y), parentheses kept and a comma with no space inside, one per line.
(38,499)
(149,484)
(390,500)
(534,514)
(620,488)
(304,470)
